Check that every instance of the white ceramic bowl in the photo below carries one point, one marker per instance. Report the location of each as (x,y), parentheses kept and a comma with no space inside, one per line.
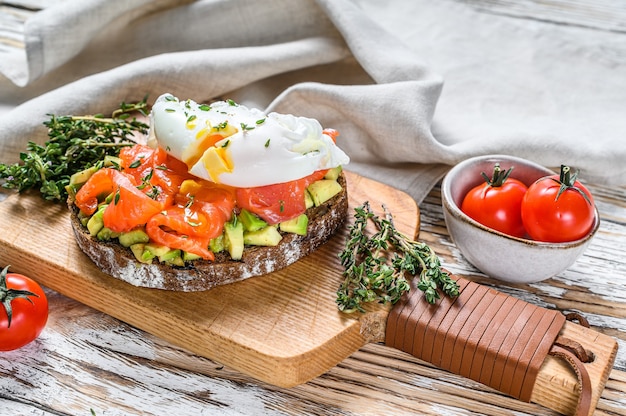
(496,254)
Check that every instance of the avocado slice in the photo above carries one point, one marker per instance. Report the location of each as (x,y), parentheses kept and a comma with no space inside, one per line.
(333,173)
(141,254)
(216,245)
(129,238)
(322,190)
(106,234)
(250,221)
(296,225)
(187,256)
(308,201)
(233,238)
(172,257)
(79,178)
(268,236)
(156,250)
(112,161)
(96,222)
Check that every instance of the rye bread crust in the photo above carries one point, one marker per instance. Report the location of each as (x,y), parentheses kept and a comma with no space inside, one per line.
(119,262)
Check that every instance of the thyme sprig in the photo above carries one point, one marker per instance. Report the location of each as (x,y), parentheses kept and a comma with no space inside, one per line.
(376,266)
(74,143)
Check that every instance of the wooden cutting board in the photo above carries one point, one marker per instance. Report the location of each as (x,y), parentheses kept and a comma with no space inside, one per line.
(283,328)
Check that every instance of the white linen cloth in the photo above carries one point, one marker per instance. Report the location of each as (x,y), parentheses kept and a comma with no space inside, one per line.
(413,86)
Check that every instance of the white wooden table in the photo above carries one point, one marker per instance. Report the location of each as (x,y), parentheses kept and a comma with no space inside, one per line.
(86,362)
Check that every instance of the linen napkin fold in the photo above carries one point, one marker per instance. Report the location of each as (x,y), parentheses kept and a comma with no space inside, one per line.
(373,70)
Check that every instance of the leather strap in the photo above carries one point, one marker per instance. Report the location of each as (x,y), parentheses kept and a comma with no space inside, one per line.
(584,382)
(482,334)
(575,348)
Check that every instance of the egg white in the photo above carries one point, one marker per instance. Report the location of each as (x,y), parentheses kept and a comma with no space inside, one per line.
(255,149)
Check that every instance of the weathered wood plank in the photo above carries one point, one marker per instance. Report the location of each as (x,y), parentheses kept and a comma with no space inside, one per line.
(94,361)
(88,360)
(599,14)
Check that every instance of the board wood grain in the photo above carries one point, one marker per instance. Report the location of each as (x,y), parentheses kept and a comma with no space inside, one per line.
(282,328)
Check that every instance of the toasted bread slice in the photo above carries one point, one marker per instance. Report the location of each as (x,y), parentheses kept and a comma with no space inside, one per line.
(119,262)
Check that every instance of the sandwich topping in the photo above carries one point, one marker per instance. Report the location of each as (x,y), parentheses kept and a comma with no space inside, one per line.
(230,144)
(212,178)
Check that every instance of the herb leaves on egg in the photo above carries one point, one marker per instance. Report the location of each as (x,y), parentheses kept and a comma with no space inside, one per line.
(74,143)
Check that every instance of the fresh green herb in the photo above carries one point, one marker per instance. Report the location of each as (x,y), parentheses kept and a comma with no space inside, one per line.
(75,143)
(267,143)
(226,143)
(154,192)
(204,107)
(282,205)
(261,121)
(377,265)
(222,125)
(116,199)
(170,110)
(191,118)
(232,103)
(135,164)
(145,181)
(114,164)
(245,127)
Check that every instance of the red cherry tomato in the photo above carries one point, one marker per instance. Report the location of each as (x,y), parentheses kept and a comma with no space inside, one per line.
(497,203)
(558,208)
(24,312)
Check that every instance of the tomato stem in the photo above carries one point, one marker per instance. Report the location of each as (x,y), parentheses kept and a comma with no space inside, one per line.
(567,180)
(499,176)
(9,295)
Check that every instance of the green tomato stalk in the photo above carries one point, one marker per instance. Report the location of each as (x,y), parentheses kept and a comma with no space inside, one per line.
(567,180)
(9,295)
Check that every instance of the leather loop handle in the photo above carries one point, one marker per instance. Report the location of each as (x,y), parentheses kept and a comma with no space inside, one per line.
(576,348)
(584,398)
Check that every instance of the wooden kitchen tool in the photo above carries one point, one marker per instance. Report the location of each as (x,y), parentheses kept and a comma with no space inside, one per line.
(283,328)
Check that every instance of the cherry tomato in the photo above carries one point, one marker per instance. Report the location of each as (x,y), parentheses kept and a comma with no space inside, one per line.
(558,208)
(497,202)
(25,310)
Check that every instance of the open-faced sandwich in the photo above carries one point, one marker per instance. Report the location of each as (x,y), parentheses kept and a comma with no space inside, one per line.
(220,193)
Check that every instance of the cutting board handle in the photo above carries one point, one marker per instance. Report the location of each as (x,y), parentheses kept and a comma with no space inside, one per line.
(487,336)
(583,406)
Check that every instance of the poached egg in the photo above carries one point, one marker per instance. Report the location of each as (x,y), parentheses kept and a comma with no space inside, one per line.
(228,143)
